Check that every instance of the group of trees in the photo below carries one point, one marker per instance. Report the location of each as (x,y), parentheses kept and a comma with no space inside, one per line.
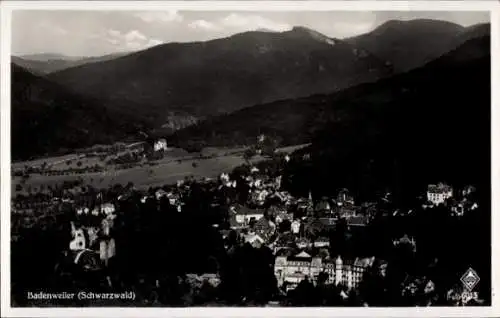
(71,171)
(126,158)
(264,146)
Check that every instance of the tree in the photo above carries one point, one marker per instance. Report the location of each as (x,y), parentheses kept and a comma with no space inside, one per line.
(285,226)
(19,187)
(304,294)
(248,154)
(269,147)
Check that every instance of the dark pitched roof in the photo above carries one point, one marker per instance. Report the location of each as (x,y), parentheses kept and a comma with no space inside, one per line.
(315,222)
(323,205)
(287,251)
(329,222)
(244,210)
(264,228)
(357,220)
(322,239)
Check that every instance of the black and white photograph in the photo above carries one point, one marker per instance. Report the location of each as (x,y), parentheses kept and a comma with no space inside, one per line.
(182,157)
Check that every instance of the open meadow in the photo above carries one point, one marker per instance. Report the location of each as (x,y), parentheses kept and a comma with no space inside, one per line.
(175,166)
(51,161)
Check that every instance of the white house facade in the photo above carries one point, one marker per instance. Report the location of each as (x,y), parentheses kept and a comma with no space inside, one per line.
(292,270)
(438,194)
(160,144)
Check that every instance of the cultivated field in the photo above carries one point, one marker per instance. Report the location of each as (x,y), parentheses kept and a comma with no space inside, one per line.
(52,161)
(166,171)
(291,149)
(176,165)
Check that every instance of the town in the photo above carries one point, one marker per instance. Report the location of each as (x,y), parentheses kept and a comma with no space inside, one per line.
(246,237)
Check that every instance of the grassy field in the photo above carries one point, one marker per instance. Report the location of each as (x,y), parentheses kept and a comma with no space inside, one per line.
(176,165)
(290,149)
(73,164)
(167,171)
(52,161)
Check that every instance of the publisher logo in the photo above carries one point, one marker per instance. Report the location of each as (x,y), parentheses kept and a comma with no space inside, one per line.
(470,279)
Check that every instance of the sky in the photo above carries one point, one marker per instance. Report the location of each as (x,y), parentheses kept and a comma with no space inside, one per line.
(95,33)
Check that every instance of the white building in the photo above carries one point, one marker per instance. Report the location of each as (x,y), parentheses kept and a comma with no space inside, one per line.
(260,196)
(253,239)
(173,199)
(277,182)
(292,270)
(438,194)
(160,193)
(107,250)
(224,177)
(105,208)
(295,227)
(82,210)
(78,242)
(211,278)
(243,214)
(160,144)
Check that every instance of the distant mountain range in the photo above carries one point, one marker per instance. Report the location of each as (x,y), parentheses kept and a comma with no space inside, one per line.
(410,44)
(42,64)
(204,79)
(297,121)
(45,57)
(431,123)
(171,86)
(47,119)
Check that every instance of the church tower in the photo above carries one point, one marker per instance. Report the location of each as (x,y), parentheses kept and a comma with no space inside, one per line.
(107,247)
(338,270)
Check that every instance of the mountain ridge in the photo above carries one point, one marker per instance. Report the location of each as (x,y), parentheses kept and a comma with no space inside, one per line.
(43,64)
(296,121)
(223,75)
(410,44)
(47,119)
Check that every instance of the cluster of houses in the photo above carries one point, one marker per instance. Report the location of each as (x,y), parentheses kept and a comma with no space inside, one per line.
(92,244)
(174,198)
(442,194)
(157,145)
(291,270)
(160,144)
(308,225)
(260,222)
(258,226)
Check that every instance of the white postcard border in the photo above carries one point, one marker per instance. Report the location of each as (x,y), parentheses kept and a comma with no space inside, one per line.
(357,5)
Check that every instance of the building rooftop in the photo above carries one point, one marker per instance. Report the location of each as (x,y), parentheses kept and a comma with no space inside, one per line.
(364,262)
(438,188)
(244,210)
(303,254)
(329,222)
(357,220)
